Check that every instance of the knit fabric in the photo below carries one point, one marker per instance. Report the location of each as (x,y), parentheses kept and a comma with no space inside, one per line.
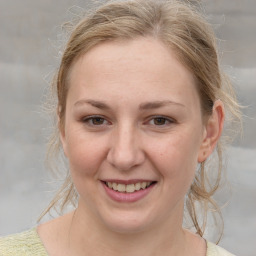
(214,250)
(26,243)
(29,243)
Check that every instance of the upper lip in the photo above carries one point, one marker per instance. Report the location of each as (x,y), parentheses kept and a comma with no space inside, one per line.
(127,182)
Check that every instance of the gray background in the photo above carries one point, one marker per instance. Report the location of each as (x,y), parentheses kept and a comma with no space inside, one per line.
(28,55)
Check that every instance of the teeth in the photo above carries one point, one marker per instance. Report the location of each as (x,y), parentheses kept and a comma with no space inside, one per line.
(121,187)
(144,184)
(110,185)
(130,188)
(114,186)
(137,186)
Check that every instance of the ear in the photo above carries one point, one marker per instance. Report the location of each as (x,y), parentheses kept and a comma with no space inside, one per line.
(212,131)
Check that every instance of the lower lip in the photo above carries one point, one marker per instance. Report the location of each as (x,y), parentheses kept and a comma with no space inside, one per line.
(127,197)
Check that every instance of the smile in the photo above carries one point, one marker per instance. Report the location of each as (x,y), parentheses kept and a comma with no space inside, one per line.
(127,191)
(129,188)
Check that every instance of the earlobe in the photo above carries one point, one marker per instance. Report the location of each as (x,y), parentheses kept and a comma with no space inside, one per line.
(213,129)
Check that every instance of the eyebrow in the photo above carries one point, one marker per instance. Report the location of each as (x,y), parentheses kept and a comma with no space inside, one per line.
(94,103)
(142,106)
(158,104)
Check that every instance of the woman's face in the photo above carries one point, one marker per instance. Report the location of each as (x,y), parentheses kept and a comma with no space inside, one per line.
(133,133)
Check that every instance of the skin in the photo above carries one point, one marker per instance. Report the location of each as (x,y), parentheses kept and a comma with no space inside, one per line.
(147,124)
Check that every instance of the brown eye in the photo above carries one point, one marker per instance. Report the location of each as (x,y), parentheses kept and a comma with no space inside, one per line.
(160,121)
(97,121)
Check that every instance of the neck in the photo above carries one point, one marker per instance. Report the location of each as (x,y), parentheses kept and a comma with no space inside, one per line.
(90,237)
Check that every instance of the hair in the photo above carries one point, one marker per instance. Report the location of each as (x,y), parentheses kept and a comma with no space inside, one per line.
(182,28)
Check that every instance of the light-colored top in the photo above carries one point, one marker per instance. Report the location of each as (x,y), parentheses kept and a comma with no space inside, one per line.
(29,243)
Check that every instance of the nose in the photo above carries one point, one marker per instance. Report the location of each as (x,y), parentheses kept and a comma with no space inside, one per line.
(126,150)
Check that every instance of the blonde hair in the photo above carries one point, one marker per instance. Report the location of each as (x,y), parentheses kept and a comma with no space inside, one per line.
(184,30)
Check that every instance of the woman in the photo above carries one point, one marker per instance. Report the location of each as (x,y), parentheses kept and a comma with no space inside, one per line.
(141,106)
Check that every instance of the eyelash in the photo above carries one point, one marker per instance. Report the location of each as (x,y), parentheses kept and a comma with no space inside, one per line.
(167,121)
(89,120)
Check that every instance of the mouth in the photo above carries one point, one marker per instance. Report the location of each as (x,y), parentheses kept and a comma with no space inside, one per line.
(128,188)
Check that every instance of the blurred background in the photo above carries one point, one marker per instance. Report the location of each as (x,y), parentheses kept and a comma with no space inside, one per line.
(29,40)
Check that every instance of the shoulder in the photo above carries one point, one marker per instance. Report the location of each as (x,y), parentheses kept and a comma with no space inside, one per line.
(23,244)
(214,250)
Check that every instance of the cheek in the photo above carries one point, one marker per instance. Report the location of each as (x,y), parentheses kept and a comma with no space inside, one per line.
(176,156)
(85,156)
(85,152)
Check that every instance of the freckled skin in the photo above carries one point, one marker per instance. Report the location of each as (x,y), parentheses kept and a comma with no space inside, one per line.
(128,146)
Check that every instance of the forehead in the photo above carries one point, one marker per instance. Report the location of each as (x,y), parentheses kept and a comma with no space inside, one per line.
(141,66)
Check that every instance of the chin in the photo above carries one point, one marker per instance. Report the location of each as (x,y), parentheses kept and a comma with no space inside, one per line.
(127,223)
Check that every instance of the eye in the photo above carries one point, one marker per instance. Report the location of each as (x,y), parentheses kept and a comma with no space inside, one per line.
(95,121)
(160,121)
